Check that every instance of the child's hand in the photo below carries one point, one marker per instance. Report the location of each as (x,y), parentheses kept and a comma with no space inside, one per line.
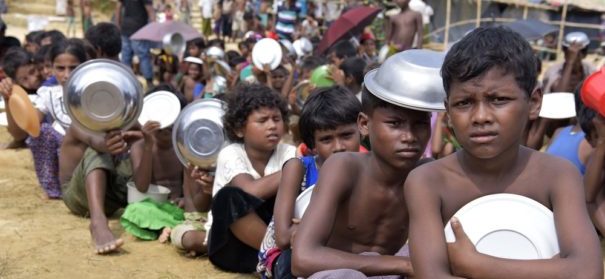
(6,88)
(267,69)
(115,143)
(337,75)
(203,178)
(149,130)
(574,51)
(462,253)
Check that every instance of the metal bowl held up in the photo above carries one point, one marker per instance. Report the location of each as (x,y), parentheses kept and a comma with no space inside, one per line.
(103,95)
(410,79)
(197,135)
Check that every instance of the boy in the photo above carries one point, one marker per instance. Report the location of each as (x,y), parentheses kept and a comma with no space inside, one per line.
(357,205)
(106,40)
(489,104)
(405,28)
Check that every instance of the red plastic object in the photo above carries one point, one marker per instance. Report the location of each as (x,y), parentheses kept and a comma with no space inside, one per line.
(593,91)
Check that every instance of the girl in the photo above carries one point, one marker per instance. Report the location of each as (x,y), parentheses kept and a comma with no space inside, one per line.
(192,84)
(65,56)
(246,180)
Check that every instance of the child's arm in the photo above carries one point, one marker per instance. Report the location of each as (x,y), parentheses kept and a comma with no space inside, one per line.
(309,251)
(437,138)
(289,186)
(426,239)
(419,30)
(141,156)
(264,187)
(593,178)
(197,189)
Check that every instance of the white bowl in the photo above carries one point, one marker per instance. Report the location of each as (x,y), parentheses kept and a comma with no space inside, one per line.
(155,192)
(302,202)
(559,105)
(267,51)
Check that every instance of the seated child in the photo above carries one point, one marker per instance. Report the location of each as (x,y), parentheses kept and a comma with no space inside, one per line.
(357,219)
(328,124)
(246,179)
(192,84)
(489,103)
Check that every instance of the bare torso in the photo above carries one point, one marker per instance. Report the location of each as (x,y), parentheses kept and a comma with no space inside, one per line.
(403,29)
(373,218)
(167,171)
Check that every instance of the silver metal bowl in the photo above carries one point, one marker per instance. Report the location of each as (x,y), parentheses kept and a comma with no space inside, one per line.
(576,37)
(215,53)
(410,79)
(103,95)
(198,135)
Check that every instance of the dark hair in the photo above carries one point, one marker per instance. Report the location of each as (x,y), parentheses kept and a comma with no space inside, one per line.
(245,99)
(369,102)
(106,37)
(343,49)
(42,54)
(34,37)
(248,16)
(584,113)
(198,42)
(55,36)
(170,88)
(233,62)
(216,42)
(15,57)
(311,62)
(280,69)
(326,109)
(354,66)
(488,47)
(74,47)
(230,55)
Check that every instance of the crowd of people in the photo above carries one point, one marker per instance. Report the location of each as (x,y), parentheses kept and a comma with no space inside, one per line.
(386,176)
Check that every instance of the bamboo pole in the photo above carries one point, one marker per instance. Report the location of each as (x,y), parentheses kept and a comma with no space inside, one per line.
(478,14)
(525,9)
(448,10)
(562,26)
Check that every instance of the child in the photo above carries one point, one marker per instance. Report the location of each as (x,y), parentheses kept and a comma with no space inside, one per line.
(489,104)
(357,217)
(105,39)
(353,70)
(192,84)
(65,56)
(328,125)
(247,177)
(405,28)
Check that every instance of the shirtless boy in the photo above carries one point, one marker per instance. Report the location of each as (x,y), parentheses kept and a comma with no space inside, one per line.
(404,27)
(357,219)
(489,104)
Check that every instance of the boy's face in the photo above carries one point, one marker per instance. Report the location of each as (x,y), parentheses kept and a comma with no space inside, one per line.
(278,78)
(263,130)
(194,70)
(398,135)
(345,138)
(489,113)
(28,77)
(403,3)
(194,50)
(164,137)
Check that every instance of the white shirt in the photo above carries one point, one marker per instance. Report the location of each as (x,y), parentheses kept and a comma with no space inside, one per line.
(206,6)
(50,101)
(233,160)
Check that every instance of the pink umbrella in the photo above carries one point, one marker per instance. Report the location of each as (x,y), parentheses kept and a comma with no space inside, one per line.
(155,31)
(348,24)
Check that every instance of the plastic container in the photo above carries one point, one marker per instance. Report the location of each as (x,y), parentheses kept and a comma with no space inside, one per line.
(593,91)
(155,192)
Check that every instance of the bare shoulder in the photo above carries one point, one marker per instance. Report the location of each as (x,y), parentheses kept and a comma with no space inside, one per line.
(543,163)
(432,175)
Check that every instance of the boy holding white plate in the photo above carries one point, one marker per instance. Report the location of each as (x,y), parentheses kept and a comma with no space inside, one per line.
(490,81)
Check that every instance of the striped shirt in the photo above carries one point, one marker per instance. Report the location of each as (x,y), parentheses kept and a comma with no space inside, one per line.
(287,18)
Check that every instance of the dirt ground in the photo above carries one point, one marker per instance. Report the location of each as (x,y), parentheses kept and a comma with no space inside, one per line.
(41,239)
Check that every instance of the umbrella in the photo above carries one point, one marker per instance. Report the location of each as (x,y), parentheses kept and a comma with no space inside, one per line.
(531,29)
(155,31)
(351,22)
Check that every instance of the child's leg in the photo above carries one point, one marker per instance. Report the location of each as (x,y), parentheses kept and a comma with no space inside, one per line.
(250,229)
(96,185)
(46,159)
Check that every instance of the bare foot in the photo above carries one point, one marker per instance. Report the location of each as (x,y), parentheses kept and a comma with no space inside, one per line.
(104,240)
(193,243)
(165,235)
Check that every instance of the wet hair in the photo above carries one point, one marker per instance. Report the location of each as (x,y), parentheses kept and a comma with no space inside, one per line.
(170,88)
(42,54)
(354,66)
(106,37)
(15,57)
(486,48)
(245,99)
(343,49)
(326,109)
(55,36)
(74,47)
(198,42)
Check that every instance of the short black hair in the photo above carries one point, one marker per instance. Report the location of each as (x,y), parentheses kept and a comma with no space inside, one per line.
(42,54)
(488,47)
(15,57)
(245,99)
(343,49)
(34,37)
(584,114)
(311,62)
(369,102)
(354,66)
(74,47)
(55,36)
(106,37)
(216,42)
(326,109)
(170,88)
(198,42)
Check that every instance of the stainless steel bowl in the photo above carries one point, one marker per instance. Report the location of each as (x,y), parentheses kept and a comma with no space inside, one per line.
(576,37)
(198,135)
(215,53)
(103,95)
(410,79)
